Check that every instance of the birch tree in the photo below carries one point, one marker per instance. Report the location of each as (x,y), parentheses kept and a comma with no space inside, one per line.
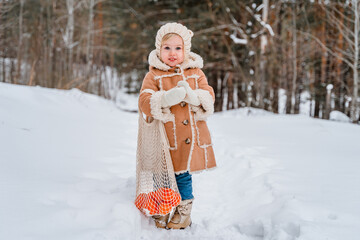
(354,104)
(20,45)
(263,59)
(89,42)
(69,32)
(294,60)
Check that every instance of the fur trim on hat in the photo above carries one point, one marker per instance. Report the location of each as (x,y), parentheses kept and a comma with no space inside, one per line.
(193,61)
(177,28)
(206,107)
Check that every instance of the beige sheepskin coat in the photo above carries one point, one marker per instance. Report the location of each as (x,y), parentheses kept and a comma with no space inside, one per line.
(189,137)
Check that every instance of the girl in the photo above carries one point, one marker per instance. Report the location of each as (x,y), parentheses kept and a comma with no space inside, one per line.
(176,92)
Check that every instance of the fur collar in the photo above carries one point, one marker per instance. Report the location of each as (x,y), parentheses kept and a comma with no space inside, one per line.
(193,61)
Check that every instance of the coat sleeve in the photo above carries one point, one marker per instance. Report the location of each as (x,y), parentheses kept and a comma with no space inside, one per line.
(206,96)
(148,88)
(150,99)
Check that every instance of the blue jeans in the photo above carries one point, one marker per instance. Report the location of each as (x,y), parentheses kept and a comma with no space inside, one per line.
(184,182)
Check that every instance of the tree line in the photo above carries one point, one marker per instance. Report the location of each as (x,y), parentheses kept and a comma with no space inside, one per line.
(255,51)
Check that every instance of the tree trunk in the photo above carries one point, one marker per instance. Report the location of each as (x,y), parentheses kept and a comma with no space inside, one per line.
(12,70)
(249,90)
(338,85)
(263,45)
(230,87)
(241,95)
(220,88)
(317,88)
(294,46)
(99,34)
(19,53)
(3,17)
(69,35)
(328,101)
(320,77)
(354,107)
(89,43)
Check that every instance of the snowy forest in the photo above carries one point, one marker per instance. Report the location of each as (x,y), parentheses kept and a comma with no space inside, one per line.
(255,51)
(285,132)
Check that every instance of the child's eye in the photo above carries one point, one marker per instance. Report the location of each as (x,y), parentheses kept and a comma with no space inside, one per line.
(167,48)
(178,48)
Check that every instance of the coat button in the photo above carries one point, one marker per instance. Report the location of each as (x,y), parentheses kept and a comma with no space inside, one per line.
(187,141)
(183,104)
(185,122)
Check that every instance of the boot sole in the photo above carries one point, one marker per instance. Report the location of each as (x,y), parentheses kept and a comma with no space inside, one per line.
(182,228)
(186,227)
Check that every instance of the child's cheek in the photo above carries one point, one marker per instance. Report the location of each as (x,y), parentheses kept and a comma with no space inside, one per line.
(161,53)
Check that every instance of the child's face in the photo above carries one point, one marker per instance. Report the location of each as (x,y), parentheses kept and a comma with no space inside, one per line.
(172,51)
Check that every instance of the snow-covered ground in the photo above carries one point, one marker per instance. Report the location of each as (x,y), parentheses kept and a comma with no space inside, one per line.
(67,171)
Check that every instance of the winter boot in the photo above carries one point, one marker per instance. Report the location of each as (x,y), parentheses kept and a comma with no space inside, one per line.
(161,221)
(181,218)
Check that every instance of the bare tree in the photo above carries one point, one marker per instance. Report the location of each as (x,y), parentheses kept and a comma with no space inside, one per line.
(89,41)
(263,59)
(354,105)
(20,45)
(294,60)
(69,33)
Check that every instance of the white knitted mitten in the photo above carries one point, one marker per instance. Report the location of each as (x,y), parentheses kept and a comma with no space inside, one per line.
(173,96)
(191,96)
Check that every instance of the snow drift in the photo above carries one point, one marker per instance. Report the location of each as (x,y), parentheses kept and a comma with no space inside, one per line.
(68,172)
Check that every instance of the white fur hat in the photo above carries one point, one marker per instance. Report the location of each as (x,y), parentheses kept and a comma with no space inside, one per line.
(177,28)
